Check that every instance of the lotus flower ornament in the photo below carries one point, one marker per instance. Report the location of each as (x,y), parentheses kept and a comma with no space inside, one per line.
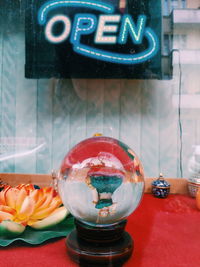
(25,205)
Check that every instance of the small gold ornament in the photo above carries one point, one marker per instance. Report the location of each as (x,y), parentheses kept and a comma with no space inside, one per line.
(97,134)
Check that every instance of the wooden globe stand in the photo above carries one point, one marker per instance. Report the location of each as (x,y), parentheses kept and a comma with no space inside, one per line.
(91,246)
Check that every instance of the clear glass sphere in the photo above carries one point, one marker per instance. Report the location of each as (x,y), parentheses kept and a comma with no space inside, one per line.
(101,181)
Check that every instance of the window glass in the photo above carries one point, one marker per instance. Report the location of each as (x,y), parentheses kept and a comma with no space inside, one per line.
(41,119)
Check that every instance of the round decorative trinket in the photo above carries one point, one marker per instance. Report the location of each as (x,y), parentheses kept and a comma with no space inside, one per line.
(160,187)
(198,198)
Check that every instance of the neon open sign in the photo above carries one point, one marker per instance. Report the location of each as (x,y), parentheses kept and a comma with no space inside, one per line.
(108,29)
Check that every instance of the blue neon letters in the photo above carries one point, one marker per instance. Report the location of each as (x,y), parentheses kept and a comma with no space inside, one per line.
(83,24)
(105,28)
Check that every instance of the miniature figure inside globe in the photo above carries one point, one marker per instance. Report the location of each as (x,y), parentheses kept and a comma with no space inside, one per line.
(101,181)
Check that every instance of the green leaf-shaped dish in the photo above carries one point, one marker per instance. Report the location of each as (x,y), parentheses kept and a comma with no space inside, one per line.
(36,237)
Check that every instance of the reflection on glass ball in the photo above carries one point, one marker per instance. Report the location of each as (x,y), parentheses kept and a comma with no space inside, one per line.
(101,181)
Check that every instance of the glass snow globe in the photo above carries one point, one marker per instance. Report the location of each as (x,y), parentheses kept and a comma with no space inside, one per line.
(101,182)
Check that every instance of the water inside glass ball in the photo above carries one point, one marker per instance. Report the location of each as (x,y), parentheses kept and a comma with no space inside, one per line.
(101,181)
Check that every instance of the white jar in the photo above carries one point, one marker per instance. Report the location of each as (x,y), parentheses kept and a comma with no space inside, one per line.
(194,170)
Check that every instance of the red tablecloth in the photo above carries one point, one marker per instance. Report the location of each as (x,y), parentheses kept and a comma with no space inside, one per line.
(166,232)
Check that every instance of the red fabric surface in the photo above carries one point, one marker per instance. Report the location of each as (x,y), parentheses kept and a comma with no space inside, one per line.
(166,232)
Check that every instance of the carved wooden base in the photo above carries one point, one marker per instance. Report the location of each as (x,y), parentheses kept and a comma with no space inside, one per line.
(90,246)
